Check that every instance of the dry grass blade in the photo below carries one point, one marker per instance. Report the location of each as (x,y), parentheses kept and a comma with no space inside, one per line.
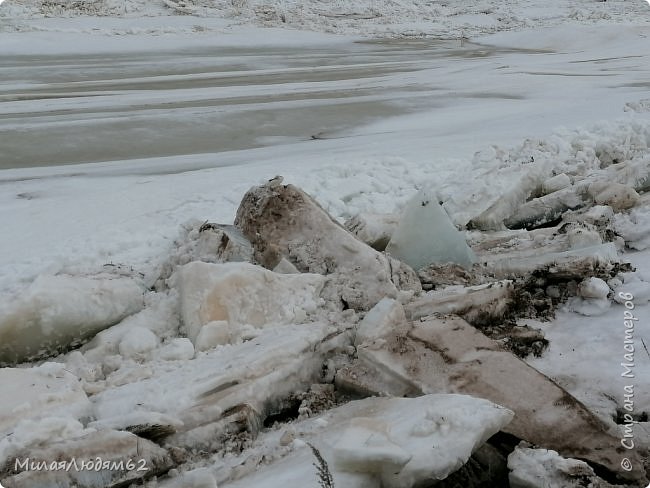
(325,479)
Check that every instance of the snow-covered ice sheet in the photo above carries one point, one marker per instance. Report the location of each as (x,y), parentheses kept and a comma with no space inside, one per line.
(402,441)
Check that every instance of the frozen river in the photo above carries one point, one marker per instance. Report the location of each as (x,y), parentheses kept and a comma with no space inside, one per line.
(129,105)
(81,108)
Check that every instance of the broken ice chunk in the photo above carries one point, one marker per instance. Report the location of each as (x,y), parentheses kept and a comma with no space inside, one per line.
(616,195)
(239,294)
(282,220)
(380,320)
(46,391)
(57,312)
(365,448)
(373,229)
(426,235)
(531,468)
(555,183)
(593,288)
(592,298)
(113,449)
(581,237)
(137,343)
(380,441)
(213,334)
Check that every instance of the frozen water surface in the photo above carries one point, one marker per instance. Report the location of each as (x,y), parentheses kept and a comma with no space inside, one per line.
(64,109)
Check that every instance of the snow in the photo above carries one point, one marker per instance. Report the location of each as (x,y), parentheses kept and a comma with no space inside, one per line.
(635,287)
(634,227)
(160,315)
(138,343)
(206,242)
(584,356)
(125,130)
(461,18)
(588,306)
(212,334)
(178,349)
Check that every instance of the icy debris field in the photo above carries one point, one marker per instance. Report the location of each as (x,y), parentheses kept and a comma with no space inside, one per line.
(241,251)
(441,18)
(262,350)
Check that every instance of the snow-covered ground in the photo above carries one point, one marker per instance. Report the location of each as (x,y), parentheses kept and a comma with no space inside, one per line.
(118,128)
